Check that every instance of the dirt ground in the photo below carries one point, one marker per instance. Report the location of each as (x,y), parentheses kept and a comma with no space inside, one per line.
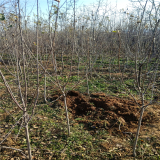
(99,111)
(118,116)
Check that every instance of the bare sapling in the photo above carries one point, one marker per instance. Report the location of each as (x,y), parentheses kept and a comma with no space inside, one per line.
(21,61)
(53,55)
(146,68)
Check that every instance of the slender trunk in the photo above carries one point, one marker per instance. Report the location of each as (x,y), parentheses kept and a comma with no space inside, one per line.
(138,130)
(74,25)
(136,75)
(78,65)
(110,69)
(25,95)
(67,116)
(87,80)
(119,51)
(45,86)
(90,56)
(139,125)
(62,61)
(54,36)
(37,55)
(27,135)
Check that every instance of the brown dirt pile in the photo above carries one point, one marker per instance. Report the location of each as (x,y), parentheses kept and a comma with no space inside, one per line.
(101,111)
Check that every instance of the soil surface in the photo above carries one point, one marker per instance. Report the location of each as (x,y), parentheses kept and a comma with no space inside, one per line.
(101,111)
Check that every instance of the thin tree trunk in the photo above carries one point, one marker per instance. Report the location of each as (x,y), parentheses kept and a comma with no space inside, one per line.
(62,61)
(45,86)
(87,80)
(139,125)
(66,108)
(119,51)
(25,95)
(27,135)
(138,130)
(74,25)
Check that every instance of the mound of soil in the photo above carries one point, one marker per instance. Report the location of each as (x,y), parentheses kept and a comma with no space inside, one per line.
(101,111)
